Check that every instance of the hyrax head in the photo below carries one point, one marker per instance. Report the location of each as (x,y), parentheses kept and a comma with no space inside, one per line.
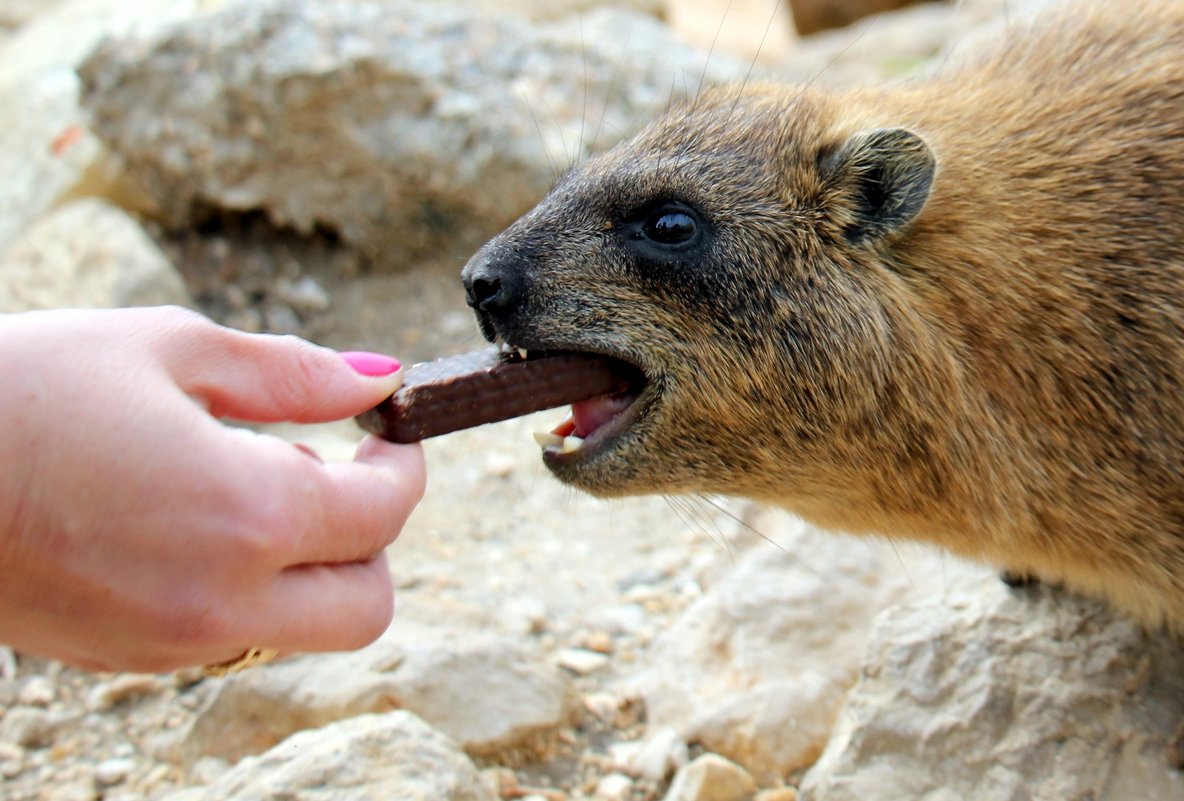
(733,255)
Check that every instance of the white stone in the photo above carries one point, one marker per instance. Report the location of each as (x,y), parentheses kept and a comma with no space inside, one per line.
(406,127)
(28,727)
(659,754)
(208,770)
(367,758)
(71,791)
(124,687)
(37,691)
(711,778)
(1027,694)
(486,692)
(87,254)
(758,668)
(47,153)
(113,771)
(580,661)
(614,787)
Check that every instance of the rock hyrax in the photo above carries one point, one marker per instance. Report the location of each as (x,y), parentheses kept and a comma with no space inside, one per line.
(951,310)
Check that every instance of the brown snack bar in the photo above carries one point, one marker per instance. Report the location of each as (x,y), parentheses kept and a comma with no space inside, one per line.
(486,386)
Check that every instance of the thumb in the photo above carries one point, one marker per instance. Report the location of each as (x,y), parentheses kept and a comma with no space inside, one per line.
(262,378)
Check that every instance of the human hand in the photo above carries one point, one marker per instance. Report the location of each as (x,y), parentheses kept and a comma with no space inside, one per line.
(137,532)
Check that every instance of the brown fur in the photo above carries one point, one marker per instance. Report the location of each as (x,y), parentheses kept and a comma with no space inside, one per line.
(1000,373)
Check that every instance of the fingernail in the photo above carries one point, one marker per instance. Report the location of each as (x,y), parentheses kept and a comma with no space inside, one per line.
(371,364)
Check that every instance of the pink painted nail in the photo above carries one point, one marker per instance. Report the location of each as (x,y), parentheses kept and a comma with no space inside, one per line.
(371,364)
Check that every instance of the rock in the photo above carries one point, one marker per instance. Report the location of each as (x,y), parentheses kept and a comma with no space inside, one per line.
(28,727)
(368,758)
(777,794)
(125,687)
(113,771)
(659,754)
(8,666)
(614,787)
(71,791)
(87,254)
(208,770)
(580,661)
(1004,694)
(486,692)
(15,13)
(12,760)
(36,691)
(758,668)
(557,9)
(711,778)
(46,152)
(408,128)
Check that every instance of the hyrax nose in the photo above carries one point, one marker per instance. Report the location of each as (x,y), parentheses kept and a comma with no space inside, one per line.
(492,285)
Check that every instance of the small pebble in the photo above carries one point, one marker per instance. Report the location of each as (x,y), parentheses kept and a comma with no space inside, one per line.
(603,705)
(113,771)
(580,660)
(711,778)
(305,295)
(614,787)
(125,687)
(27,726)
(600,642)
(36,691)
(777,794)
(660,754)
(72,791)
(208,770)
(500,465)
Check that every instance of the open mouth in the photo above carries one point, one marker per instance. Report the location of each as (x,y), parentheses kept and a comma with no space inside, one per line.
(593,423)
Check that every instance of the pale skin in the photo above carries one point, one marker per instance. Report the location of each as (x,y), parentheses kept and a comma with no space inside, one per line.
(138,531)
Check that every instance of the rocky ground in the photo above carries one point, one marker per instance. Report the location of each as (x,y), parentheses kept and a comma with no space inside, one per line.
(324,169)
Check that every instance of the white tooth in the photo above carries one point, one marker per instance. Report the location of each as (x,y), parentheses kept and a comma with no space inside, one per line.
(572,444)
(548,440)
(522,353)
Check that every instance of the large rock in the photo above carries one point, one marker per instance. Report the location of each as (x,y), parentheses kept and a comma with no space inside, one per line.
(407,127)
(758,668)
(1008,696)
(87,254)
(391,757)
(485,692)
(46,152)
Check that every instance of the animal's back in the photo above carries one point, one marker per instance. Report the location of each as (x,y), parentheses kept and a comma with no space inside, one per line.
(1056,236)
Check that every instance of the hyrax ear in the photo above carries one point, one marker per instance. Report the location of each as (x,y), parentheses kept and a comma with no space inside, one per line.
(879,181)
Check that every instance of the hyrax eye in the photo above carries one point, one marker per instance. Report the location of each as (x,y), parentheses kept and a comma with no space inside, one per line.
(670,226)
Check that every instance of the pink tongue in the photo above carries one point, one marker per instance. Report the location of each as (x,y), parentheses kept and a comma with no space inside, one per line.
(591,414)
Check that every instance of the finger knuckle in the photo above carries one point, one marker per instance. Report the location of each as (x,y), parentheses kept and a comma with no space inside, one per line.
(279,508)
(300,373)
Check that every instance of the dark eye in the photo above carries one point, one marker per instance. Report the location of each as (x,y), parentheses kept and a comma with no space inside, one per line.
(670,227)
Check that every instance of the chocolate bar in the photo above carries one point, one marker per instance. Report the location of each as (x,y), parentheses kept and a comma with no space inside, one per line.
(486,386)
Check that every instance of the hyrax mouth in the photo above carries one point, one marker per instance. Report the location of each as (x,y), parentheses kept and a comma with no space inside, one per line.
(593,422)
